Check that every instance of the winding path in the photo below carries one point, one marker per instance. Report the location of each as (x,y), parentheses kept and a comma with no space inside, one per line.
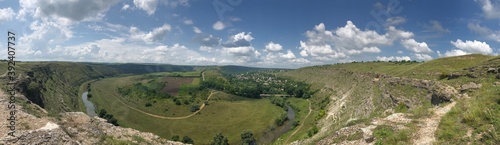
(159,116)
(425,135)
(302,124)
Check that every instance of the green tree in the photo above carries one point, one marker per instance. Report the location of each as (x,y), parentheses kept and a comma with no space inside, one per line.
(220,139)
(247,138)
(187,140)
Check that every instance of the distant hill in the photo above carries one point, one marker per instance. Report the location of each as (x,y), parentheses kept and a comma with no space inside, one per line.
(234,69)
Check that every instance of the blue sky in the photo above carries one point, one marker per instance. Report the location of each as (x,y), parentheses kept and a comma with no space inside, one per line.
(262,33)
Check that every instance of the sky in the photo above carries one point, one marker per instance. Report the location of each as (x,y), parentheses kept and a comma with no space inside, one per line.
(258,33)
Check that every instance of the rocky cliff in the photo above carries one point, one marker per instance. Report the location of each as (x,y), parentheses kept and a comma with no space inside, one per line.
(70,128)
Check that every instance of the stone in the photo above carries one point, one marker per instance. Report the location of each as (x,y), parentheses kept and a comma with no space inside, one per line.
(470,87)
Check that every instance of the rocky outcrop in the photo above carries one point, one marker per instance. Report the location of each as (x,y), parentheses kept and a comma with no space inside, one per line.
(71,128)
(470,87)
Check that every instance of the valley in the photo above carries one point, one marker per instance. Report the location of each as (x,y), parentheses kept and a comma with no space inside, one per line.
(447,100)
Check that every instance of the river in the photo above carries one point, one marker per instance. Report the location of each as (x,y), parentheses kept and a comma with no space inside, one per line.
(270,136)
(89,105)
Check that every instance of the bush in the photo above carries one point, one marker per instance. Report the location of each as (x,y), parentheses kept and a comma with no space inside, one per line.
(175,138)
(195,108)
(148,104)
(187,140)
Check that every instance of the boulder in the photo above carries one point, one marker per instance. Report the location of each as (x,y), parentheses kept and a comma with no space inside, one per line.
(492,70)
(470,87)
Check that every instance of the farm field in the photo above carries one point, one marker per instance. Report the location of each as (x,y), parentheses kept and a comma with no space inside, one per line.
(173,84)
(224,113)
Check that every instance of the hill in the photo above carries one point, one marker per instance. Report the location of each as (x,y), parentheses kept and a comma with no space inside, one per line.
(447,100)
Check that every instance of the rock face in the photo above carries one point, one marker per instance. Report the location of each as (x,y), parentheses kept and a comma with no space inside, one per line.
(71,128)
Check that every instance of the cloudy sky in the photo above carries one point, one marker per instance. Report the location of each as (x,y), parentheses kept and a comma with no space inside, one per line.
(263,33)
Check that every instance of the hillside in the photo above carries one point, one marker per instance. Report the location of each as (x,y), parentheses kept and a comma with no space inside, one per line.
(406,102)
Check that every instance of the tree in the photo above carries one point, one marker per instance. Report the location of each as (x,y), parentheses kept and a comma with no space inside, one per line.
(247,137)
(220,139)
(187,140)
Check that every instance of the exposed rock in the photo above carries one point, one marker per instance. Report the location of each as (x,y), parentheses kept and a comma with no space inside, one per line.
(492,70)
(443,93)
(496,83)
(71,128)
(470,87)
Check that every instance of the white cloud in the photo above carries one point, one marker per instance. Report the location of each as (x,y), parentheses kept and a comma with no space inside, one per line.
(65,12)
(490,10)
(125,7)
(273,47)
(188,22)
(417,47)
(393,58)
(240,39)
(147,5)
(472,46)
(240,51)
(197,30)
(289,55)
(45,35)
(485,31)
(218,25)
(156,35)
(455,52)
(6,14)
(349,41)
(423,56)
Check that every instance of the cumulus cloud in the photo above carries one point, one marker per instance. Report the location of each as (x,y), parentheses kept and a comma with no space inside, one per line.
(147,5)
(455,52)
(393,58)
(45,34)
(423,56)
(417,47)
(273,47)
(219,26)
(156,35)
(65,11)
(349,41)
(240,39)
(472,46)
(6,14)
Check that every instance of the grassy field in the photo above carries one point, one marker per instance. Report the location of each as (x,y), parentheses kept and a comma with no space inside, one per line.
(225,113)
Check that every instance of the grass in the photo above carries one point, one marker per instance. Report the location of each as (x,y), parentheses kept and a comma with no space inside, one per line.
(226,113)
(303,106)
(479,114)
(387,135)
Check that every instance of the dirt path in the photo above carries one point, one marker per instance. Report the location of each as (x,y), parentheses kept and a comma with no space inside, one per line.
(300,126)
(203,75)
(425,135)
(163,117)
